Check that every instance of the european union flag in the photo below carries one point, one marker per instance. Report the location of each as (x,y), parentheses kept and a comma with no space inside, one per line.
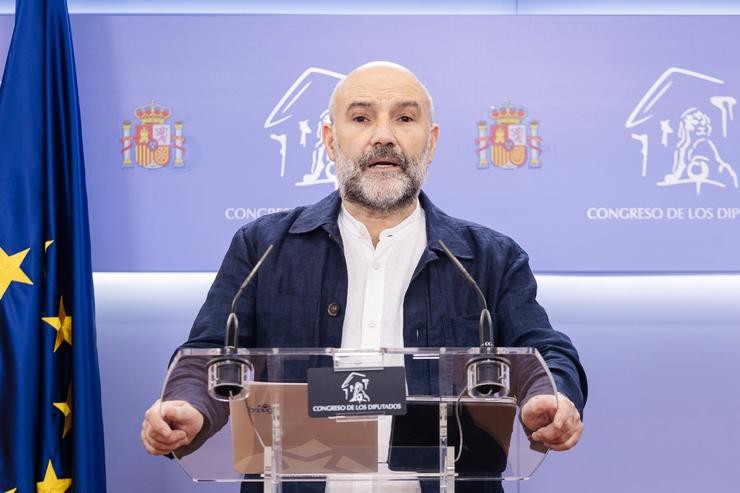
(51,430)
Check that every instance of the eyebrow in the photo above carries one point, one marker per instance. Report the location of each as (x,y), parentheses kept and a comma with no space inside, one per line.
(366,104)
(359,104)
(409,104)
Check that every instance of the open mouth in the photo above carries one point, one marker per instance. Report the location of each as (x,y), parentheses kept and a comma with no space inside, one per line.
(381,164)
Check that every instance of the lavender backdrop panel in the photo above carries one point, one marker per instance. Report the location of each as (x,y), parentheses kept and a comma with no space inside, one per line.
(611,145)
(6,31)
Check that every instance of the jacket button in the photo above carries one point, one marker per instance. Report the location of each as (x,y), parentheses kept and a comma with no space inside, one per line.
(333,309)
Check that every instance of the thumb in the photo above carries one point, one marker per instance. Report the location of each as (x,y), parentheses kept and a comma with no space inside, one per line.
(183,416)
(539,411)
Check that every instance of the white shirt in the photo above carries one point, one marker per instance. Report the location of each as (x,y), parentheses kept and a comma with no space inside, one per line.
(378,278)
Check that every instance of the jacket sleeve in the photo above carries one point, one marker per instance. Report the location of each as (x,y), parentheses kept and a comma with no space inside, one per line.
(209,325)
(522,322)
(188,381)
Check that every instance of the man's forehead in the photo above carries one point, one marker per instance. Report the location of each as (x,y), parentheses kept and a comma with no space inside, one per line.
(381,85)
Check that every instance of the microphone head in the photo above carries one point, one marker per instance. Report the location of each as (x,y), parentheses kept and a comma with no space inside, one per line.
(231,335)
(485,328)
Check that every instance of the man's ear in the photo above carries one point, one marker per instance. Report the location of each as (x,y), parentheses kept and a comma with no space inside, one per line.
(327,137)
(433,136)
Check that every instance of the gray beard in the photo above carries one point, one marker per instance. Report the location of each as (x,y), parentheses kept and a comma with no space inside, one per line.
(382,191)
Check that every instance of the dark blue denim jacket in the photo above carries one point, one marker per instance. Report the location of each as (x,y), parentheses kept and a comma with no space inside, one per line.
(288,303)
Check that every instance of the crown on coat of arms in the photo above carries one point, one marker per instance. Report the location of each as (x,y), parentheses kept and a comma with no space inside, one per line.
(508,115)
(152,114)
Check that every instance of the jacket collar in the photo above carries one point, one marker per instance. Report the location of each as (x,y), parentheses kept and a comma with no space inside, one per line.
(440,226)
(323,212)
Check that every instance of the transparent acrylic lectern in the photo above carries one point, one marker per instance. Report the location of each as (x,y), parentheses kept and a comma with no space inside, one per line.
(328,415)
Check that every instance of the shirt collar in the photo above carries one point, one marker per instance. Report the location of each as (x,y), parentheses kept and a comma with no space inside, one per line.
(439,225)
(355,226)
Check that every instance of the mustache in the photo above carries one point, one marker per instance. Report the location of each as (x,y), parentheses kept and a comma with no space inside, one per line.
(383,153)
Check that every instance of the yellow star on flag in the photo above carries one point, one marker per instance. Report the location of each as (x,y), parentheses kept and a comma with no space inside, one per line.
(10,269)
(47,244)
(66,408)
(62,324)
(52,484)
(11,491)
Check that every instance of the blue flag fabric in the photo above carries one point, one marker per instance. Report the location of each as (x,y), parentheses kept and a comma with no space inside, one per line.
(51,429)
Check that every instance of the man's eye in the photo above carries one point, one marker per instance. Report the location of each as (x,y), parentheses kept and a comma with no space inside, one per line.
(359,119)
(406,119)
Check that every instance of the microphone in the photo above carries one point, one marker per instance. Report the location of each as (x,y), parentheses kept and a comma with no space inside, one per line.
(488,374)
(229,375)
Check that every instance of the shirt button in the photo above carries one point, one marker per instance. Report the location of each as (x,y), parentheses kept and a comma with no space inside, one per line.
(333,309)
(372,324)
(376,265)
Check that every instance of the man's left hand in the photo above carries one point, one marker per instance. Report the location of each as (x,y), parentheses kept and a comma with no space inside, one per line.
(556,422)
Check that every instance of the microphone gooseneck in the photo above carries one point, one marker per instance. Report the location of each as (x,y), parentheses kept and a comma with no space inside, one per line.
(231,335)
(485,330)
(488,374)
(229,375)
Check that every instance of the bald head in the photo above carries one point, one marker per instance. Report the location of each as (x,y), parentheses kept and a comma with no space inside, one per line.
(379,77)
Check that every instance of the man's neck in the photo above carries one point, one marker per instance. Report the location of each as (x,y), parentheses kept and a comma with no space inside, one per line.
(376,221)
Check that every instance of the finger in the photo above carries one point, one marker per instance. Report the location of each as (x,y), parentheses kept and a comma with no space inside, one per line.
(153,417)
(162,432)
(180,412)
(147,446)
(539,411)
(184,417)
(153,447)
(543,405)
(566,414)
(562,424)
(158,447)
(156,427)
(569,443)
(556,432)
(165,444)
(557,438)
(177,414)
(157,436)
(548,434)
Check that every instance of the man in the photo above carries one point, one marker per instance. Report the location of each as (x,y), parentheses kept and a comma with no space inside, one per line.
(363,267)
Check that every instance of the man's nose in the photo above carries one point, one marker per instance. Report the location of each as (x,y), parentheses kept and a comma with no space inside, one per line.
(383,133)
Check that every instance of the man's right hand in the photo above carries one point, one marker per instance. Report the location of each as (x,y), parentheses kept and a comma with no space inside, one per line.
(169,426)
